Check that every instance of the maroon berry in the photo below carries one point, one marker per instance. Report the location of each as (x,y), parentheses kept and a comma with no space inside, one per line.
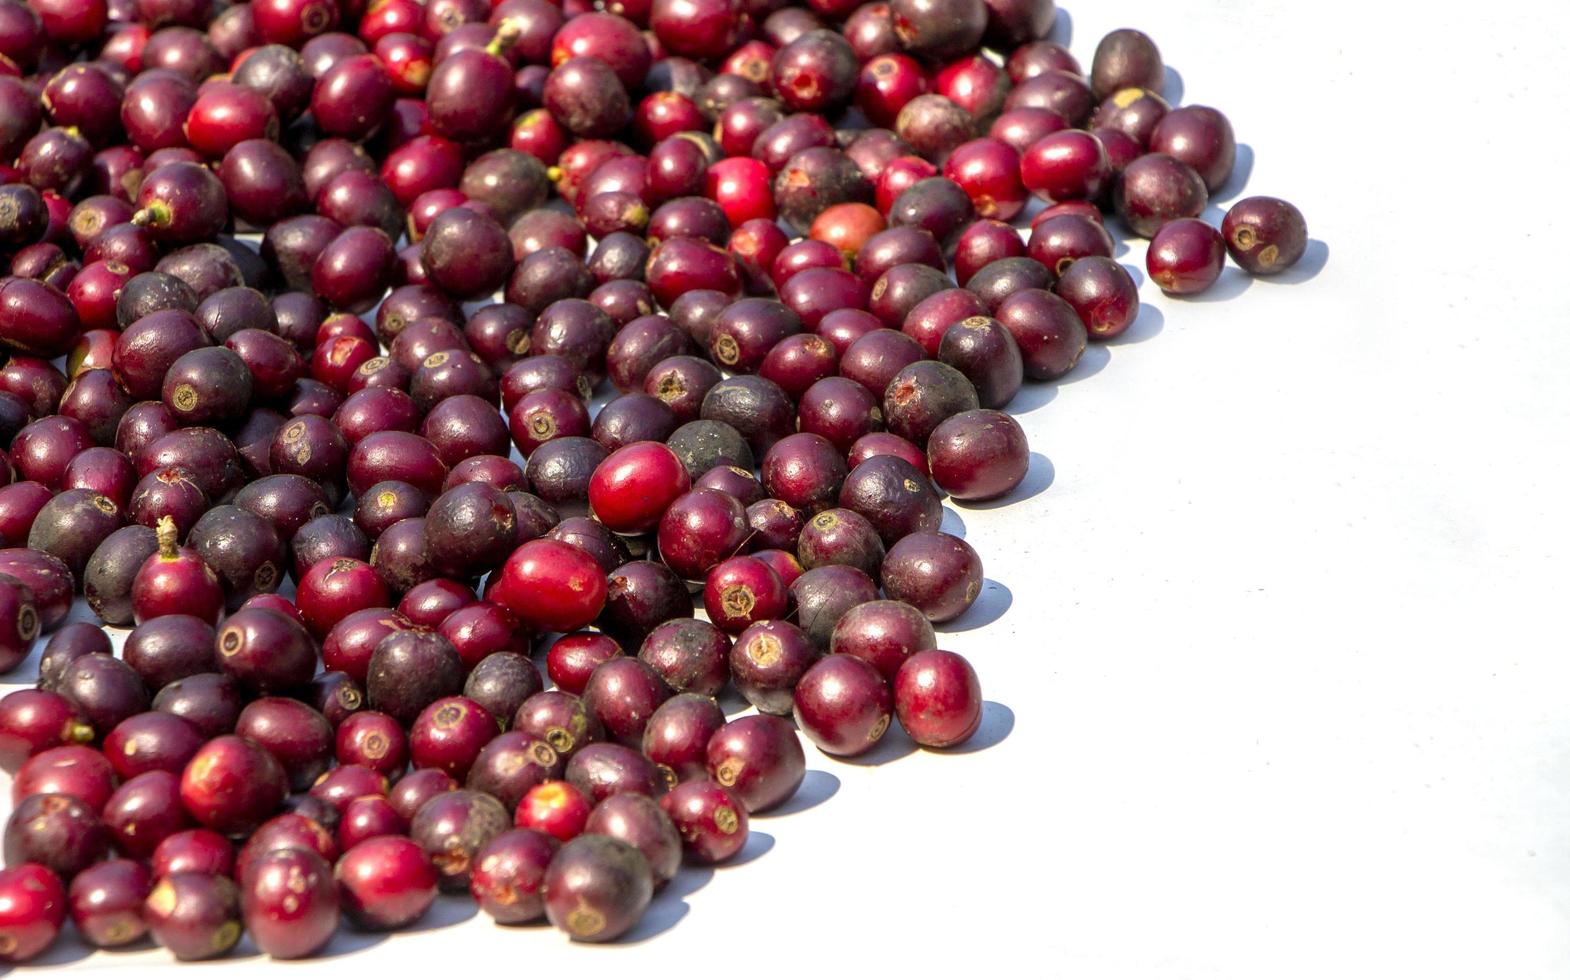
(804,470)
(194,915)
(153,740)
(937,573)
(622,694)
(1102,293)
(641,595)
(839,536)
(767,661)
(371,739)
(336,787)
(884,632)
(453,827)
(57,831)
(290,903)
(211,702)
(106,902)
(1047,330)
(597,888)
(688,655)
(409,670)
(759,759)
(711,820)
(1059,240)
(413,790)
(571,659)
(294,734)
(199,850)
(843,704)
(509,876)
(1155,189)
(741,591)
(34,721)
(449,735)
(336,587)
(937,698)
(640,822)
(986,354)
(1185,257)
(512,764)
(560,720)
(678,733)
(266,650)
(1126,58)
(1264,235)
(482,629)
(604,769)
(350,643)
(1200,137)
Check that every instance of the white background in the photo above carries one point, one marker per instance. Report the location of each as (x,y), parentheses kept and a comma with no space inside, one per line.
(1274,647)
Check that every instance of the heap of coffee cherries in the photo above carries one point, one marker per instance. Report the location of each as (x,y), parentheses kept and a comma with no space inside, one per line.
(781,234)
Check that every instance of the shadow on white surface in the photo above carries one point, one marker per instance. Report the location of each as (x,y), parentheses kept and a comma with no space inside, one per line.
(816,787)
(1037,394)
(669,906)
(1233,282)
(1315,256)
(244,950)
(1062,28)
(952,522)
(1171,86)
(989,607)
(70,949)
(1237,180)
(1037,479)
(1090,364)
(1031,397)
(348,940)
(731,702)
(997,723)
(449,910)
(758,844)
(1147,323)
(894,746)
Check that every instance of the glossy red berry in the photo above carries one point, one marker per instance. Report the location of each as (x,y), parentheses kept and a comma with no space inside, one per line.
(386,883)
(741,591)
(634,486)
(843,704)
(1185,257)
(711,820)
(550,585)
(175,580)
(937,698)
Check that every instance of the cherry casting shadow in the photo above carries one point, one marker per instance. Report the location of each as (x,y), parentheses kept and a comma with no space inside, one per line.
(668,907)
(1038,478)
(989,607)
(894,745)
(1147,323)
(1232,283)
(816,788)
(1237,180)
(997,724)
(1314,259)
